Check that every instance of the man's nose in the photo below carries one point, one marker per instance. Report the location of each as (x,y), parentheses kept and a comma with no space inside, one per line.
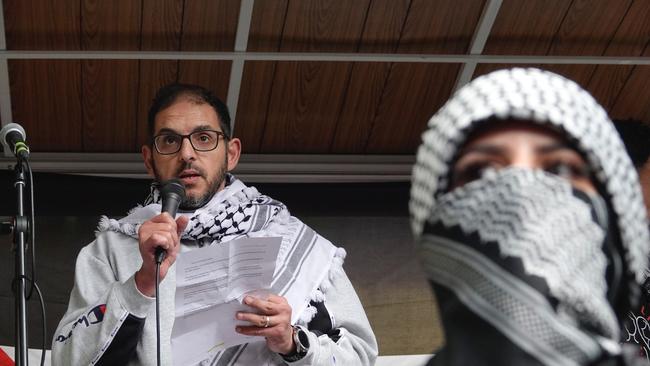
(187,152)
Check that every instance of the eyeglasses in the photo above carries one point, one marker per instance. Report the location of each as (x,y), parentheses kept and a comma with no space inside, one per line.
(170,143)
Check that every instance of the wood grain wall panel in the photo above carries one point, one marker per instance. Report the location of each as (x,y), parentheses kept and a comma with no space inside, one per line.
(440,26)
(266,31)
(267,24)
(523,28)
(306,97)
(161,25)
(110,99)
(153,75)
(213,75)
(110,87)
(630,39)
(45,95)
(632,101)
(254,97)
(46,101)
(324,25)
(305,102)
(587,30)
(42,25)
(210,25)
(111,25)
(161,31)
(383,28)
(414,91)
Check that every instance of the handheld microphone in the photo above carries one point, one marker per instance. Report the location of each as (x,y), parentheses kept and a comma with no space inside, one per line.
(13,138)
(172,193)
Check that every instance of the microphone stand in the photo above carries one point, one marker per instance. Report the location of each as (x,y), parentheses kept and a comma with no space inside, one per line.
(19,226)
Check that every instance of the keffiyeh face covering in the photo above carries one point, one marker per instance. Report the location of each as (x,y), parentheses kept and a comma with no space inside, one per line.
(526,268)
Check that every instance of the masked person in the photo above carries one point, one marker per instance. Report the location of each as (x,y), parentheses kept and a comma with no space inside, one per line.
(530,224)
(111,315)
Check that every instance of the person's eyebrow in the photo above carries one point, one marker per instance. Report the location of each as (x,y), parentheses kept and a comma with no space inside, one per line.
(204,128)
(483,149)
(196,129)
(553,147)
(167,130)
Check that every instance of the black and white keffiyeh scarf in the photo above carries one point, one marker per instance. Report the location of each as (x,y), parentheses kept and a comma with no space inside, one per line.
(238,210)
(306,262)
(519,258)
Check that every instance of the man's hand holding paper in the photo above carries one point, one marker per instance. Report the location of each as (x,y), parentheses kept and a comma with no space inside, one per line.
(211,283)
(273,322)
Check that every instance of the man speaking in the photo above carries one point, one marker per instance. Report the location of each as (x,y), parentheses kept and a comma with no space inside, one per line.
(111,315)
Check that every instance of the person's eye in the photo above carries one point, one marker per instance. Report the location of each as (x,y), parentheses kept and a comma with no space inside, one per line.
(170,139)
(204,137)
(472,172)
(569,170)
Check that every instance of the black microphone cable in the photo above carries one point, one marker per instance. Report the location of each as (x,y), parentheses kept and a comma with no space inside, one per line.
(158,310)
(172,193)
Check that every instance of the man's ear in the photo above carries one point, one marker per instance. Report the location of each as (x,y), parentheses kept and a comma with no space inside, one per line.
(147,157)
(234,151)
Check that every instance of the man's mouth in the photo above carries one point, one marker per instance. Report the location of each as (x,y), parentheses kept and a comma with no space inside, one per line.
(189,176)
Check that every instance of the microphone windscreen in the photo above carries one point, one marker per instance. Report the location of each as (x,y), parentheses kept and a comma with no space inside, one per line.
(172,193)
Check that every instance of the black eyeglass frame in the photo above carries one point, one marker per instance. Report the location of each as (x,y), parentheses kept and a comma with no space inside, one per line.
(188,137)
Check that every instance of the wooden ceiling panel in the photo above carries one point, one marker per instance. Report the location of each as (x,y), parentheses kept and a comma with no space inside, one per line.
(161,25)
(161,30)
(526,27)
(523,28)
(42,25)
(254,97)
(632,101)
(46,101)
(213,75)
(266,31)
(630,40)
(153,75)
(110,87)
(45,94)
(440,27)
(324,25)
(110,99)
(381,34)
(587,30)
(414,92)
(267,23)
(588,27)
(562,28)
(302,107)
(210,25)
(305,101)
(306,97)
(111,25)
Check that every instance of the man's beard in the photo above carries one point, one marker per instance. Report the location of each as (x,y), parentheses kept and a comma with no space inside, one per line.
(192,203)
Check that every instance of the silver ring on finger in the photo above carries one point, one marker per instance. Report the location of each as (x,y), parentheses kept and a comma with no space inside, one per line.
(267,321)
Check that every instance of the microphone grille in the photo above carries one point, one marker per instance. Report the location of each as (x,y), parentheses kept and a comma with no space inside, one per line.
(6,129)
(173,186)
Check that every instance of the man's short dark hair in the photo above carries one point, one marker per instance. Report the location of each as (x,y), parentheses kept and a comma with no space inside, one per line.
(636,137)
(168,94)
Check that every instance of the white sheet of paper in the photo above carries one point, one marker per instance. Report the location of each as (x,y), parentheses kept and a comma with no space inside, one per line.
(210,283)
